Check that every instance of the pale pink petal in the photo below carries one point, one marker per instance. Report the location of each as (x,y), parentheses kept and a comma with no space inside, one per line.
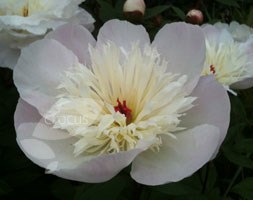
(183,46)
(177,158)
(37,149)
(215,34)
(57,155)
(84,18)
(123,34)
(211,107)
(38,72)
(102,168)
(76,38)
(211,33)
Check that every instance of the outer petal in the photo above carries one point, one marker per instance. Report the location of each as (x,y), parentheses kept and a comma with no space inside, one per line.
(221,25)
(8,56)
(246,83)
(211,107)
(56,155)
(76,38)
(247,48)
(123,34)
(177,158)
(38,71)
(84,18)
(183,46)
(211,33)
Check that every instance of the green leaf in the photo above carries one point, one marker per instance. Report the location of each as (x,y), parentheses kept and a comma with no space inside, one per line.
(209,176)
(237,158)
(179,12)
(238,111)
(244,188)
(250,17)
(244,146)
(152,12)
(229,2)
(107,12)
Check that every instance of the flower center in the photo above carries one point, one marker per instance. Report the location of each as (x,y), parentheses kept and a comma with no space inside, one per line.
(227,61)
(25,11)
(123,109)
(146,107)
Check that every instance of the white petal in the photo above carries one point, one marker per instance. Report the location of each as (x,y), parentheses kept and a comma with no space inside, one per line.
(8,56)
(36,149)
(102,168)
(247,48)
(244,84)
(82,17)
(76,38)
(183,46)
(123,34)
(57,155)
(38,71)
(176,159)
(211,33)
(211,107)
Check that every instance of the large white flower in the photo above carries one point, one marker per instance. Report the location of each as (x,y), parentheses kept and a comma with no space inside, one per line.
(23,21)
(240,32)
(228,59)
(88,109)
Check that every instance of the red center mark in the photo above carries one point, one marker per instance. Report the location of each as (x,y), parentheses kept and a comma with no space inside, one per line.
(212,69)
(123,109)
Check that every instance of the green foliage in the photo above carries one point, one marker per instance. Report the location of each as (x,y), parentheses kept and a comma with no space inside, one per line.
(244,188)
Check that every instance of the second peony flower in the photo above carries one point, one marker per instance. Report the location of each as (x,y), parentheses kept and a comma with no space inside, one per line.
(90,108)
(24,21)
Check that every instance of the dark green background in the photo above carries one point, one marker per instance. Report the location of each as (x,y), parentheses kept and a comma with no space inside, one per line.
(228,177)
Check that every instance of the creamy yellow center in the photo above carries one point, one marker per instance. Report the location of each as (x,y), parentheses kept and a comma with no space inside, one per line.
(91,105)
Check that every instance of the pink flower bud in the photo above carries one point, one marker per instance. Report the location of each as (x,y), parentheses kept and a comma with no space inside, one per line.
(134,6)
(194,17)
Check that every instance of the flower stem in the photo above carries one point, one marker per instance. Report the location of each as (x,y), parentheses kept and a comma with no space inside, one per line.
(206,177)
(233,180)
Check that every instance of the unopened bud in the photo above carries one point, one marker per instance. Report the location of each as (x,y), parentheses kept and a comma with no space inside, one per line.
(194,17)
(134,8)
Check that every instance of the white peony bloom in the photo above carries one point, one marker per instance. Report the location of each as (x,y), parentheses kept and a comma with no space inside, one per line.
(240,32)
(229,60)
(90,108)
(24,21)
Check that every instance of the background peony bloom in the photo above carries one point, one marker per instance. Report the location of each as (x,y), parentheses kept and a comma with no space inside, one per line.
(23,21)
(240,32)
(90,108)
(229,60)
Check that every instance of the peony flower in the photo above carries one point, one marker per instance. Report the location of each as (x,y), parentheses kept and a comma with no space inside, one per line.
(134,6)
(240,32)
(24,21)
(229,60)
(90,108)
